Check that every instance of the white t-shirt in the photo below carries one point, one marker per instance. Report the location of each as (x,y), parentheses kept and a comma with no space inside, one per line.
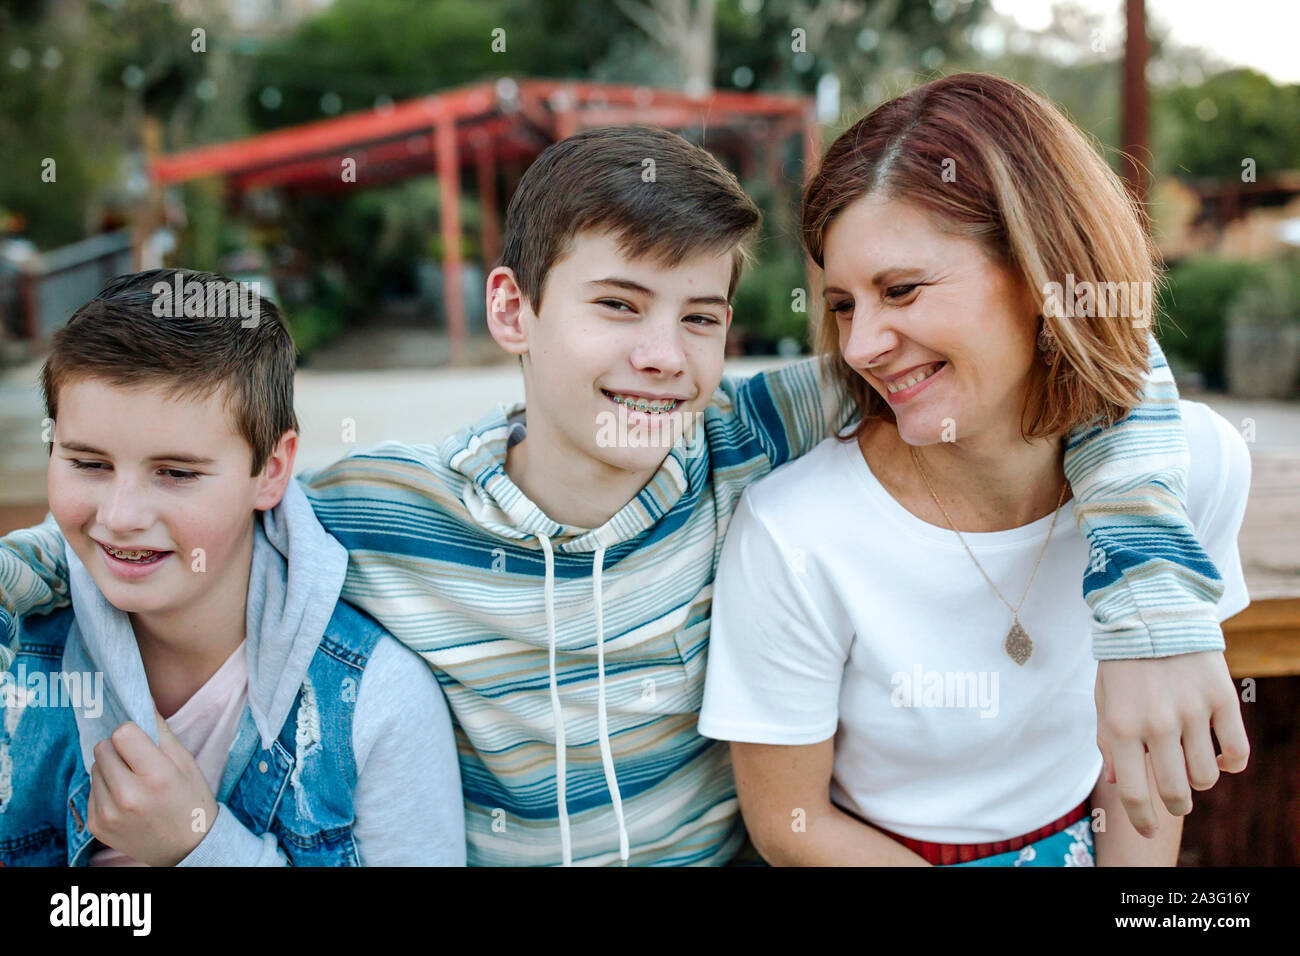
(837,612)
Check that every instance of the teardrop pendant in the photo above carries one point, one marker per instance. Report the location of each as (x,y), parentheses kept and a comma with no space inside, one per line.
(1018,645)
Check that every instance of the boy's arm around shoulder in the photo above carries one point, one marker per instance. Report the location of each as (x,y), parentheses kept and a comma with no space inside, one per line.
(1167,707)
(789,409)
(1152,588)
(33,579)
(409,807)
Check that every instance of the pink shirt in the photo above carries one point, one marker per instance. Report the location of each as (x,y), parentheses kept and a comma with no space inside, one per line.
(205,724)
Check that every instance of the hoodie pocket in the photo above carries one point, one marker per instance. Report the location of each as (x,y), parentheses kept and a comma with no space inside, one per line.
(669,678)
(692,642)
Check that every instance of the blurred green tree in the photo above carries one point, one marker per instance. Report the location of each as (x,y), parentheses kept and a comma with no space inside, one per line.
(357,54)
(1207,129)
(79,79)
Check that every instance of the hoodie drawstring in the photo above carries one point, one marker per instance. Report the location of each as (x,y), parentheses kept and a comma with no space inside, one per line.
(606,756)
(566,851)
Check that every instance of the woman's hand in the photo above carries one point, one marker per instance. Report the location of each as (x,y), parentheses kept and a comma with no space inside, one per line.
(785,799)
(148,801)
(1167,706)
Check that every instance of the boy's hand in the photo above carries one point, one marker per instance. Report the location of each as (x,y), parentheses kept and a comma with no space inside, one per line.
(150,802)
(1166,706)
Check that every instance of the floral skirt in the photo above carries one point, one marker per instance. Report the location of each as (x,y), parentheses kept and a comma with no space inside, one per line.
(1069,847)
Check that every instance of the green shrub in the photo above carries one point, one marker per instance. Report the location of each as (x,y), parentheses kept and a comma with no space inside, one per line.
(1273,298)
(1193,303)
(324,315)
(313,325)
(765,299)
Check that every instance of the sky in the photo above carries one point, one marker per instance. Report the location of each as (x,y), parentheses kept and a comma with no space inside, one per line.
(1261,34)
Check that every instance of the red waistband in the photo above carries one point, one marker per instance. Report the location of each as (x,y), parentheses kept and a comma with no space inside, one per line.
(946,854)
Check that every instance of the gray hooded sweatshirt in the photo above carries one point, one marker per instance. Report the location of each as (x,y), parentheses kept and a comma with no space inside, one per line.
(409,808)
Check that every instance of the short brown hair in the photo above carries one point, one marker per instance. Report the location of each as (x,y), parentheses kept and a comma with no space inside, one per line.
(1037,196)
(599,179)
(120,338)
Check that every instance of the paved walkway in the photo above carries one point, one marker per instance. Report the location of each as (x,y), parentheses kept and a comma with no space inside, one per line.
(424,405)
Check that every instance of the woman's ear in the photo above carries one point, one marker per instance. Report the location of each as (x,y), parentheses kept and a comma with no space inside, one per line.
(507,311)
(1016,288)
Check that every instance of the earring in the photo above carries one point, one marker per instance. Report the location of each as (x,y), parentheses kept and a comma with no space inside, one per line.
(1047,344)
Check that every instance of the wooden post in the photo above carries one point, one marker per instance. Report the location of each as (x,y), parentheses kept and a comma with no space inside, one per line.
(449,190)
(1136,51)
(490,226)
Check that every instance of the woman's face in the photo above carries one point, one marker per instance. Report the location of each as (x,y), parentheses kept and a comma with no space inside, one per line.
(945,335)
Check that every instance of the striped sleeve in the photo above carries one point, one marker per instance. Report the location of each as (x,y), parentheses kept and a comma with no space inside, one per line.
(33,579)
(788,409)
(1152,588)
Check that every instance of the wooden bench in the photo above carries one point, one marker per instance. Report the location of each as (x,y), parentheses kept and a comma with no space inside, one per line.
(1264,639)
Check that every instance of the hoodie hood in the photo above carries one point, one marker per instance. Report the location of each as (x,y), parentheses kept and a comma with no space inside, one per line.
(290,602)
(498,507)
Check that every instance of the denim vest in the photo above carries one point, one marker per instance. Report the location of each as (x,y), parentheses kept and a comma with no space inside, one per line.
(299,789)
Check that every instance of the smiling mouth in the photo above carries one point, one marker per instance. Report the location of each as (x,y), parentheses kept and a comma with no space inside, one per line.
(660,406)
(915,378)
(135,556)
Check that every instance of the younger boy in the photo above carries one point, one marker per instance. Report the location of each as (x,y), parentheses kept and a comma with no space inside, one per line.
(245,714)
(557,572)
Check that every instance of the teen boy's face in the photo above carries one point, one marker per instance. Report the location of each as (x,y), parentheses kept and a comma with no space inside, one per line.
(139,479)
(613,333)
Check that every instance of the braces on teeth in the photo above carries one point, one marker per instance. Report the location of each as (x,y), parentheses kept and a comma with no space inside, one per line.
(129,555)
(642,405)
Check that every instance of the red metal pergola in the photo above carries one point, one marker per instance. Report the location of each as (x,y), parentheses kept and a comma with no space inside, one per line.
(482,126)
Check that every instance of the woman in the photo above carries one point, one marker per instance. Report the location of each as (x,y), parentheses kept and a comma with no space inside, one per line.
(900,652)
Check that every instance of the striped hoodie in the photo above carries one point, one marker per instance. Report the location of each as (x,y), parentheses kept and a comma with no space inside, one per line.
(573,659)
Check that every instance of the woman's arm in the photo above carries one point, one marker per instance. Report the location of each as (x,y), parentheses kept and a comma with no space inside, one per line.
(1118,844)
(785,799)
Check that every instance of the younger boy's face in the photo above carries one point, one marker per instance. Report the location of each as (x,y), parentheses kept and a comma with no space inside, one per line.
(153,494)
(613,333)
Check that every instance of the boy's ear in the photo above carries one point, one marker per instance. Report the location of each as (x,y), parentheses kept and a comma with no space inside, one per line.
(506,308)
(278,472)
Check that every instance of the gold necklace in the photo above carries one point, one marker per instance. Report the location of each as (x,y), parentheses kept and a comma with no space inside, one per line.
(1017,645)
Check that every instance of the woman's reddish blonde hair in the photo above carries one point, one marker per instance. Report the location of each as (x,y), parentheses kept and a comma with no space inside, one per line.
(1031,189)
